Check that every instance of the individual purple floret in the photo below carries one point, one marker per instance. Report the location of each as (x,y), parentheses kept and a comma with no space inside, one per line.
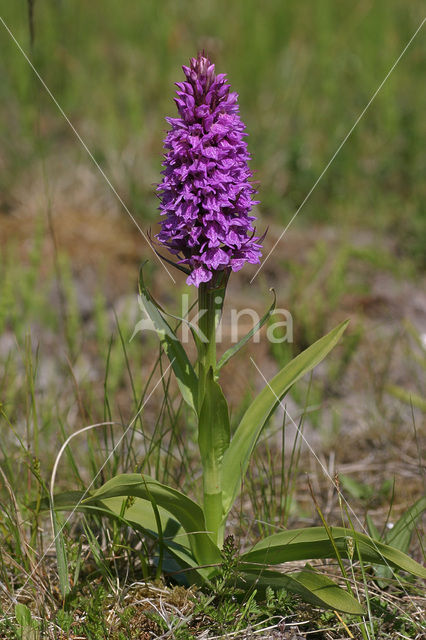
(206,194)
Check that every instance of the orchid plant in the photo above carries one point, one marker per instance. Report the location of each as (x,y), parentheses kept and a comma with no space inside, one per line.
(206,199)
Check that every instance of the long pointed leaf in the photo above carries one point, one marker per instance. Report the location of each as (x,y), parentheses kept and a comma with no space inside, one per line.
(139,516)
(61,554)
(237,457)
(313,587)
(235,348)
(182,368)
(400,535)
(314,542)
(187,512)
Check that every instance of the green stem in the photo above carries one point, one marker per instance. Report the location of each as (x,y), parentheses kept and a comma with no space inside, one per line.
(210,301)
(207,325)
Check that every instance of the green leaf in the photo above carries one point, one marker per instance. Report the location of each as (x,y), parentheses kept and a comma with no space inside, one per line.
(187,512)
(409,397)
(400,535)
(140,516)
(213,428)
(65,501)
(61,555)
(28,627)
(373,530)
(314,542)
(23,615)
(313,587)
(237,456)
(213,440)
(235,348)
(183,369)
(195,330)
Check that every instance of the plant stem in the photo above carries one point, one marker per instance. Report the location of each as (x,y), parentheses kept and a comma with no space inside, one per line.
(210,301)
(207,324)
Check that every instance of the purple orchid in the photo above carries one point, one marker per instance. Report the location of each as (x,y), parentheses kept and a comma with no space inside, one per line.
(206,194)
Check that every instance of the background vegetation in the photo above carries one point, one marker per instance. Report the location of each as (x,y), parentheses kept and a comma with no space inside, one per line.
(68,276)
(304,72)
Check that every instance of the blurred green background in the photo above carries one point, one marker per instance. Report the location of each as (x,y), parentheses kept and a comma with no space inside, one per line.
(304,72)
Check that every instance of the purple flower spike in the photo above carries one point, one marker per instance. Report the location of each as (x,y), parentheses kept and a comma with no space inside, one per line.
(206,194)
